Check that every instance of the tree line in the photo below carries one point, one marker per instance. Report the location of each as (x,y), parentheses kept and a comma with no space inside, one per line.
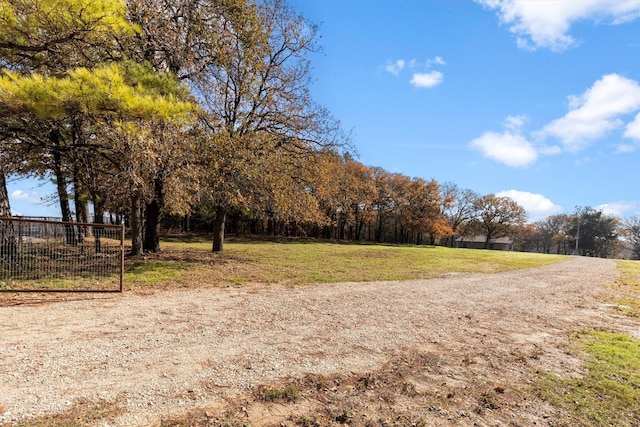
(200,111)
(348,201)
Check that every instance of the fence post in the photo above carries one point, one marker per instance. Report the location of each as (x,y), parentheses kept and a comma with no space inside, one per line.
(121,256)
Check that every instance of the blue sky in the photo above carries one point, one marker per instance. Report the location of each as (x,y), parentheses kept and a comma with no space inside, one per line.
(532,99)
(537,100)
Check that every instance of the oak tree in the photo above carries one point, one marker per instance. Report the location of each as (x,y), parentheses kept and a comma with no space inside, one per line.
(593,232)
(257,105)
(497,216)
(632,233)
(457,207)
(188,39)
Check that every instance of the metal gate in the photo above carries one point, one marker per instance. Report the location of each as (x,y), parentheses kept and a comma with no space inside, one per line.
(50,256)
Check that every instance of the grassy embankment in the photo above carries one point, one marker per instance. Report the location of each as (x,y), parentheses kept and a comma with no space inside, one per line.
(628,284)
(609,392)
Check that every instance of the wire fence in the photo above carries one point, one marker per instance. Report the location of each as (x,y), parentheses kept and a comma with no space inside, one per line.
(52,256)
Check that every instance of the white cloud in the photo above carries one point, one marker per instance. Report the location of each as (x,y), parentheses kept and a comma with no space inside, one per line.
(617,209)
(515,123)
(633,129)
(632,132)
(626,148)
(395,67)
(427,80)
(602,108)
(421,80)
(546,24)
(536,205)
(27,197)
(509,148)
(435,61)
(596,112)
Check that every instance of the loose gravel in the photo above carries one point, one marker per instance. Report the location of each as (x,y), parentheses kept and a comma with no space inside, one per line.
(168,352)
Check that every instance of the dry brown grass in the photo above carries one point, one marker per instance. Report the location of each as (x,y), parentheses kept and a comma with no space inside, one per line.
(401,393)
(80,413)
(189,263)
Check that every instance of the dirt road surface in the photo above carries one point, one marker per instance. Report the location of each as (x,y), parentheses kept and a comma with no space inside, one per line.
(169,352)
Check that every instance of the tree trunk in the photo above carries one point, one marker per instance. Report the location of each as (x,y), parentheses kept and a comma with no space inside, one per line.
(98,218)
(218,229)
(61,186)
(63,196)
(61,179)
(487,240)
(153,218)
(379,229)
(80,199)
(359,228)
(5,208)
(81,204)
(8,245)
(82,207)
(136,226)
(82,210)
(98,210)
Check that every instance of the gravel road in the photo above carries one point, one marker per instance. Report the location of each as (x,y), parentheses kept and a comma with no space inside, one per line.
(164,353)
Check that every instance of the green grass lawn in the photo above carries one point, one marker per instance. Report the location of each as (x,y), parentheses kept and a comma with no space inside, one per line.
(609,392)
(629,284)
(300,262)
(189,262)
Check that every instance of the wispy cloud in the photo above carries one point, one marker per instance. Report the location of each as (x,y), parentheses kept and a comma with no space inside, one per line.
(427,80)
(618,209)
(395,67)
(27,197)
(435,61)
(632,132)
(420,79)
(546,24)
(536,205)
(515,123)
(633,129)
